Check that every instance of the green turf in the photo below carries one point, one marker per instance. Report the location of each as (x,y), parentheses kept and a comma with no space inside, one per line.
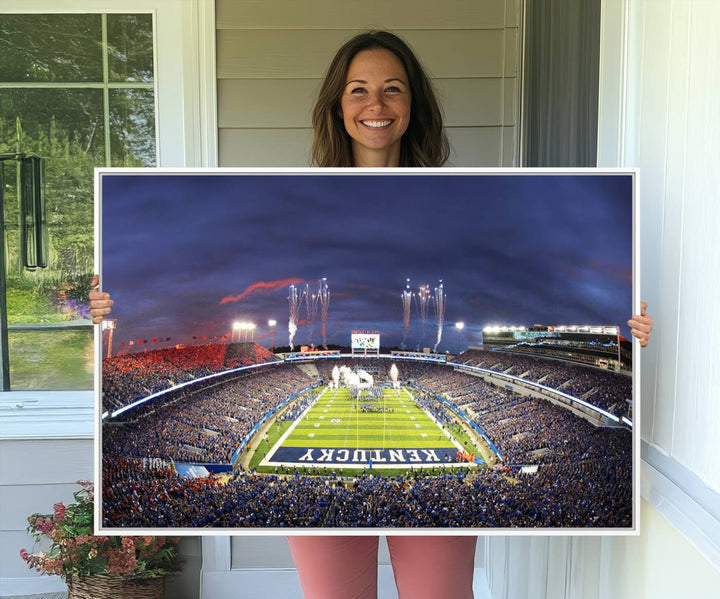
(406,425)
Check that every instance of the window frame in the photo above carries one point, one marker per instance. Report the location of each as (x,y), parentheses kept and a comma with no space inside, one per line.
(186,136)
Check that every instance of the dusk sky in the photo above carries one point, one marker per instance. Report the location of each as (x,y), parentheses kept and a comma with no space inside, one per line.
(514,249)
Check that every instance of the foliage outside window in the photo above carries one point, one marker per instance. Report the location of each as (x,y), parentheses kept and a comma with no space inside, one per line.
(78,91)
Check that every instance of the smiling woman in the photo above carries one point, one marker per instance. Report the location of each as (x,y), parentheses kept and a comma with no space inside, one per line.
(363,114)
(375,107)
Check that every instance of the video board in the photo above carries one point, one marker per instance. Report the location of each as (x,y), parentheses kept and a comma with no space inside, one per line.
(365,340)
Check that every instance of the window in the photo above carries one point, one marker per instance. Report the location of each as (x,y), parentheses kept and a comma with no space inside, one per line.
(77,90)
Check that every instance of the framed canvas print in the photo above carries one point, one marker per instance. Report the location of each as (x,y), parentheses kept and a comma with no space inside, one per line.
(401,350)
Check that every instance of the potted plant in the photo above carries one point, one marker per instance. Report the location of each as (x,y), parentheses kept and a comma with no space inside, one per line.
(98,567)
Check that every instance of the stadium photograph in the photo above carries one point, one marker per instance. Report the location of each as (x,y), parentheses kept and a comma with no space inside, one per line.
(304,350)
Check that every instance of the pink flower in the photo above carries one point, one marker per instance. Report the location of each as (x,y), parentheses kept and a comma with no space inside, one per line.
(128,543)
(121,562)
(25,555)
(44,526)
(53,565)
(59,509)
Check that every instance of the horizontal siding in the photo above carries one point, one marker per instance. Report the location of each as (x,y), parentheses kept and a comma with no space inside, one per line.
(470,147)
(260,103)
(271,58)
(34,475)
(510,145)
(41,462)
(281,103)
(460,99)
(11,564)
(511,59)
(254,54)
(19,501)
(264,147)
(369,14)
(475,146)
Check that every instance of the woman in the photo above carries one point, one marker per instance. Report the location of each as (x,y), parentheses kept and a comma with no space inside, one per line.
(363,114)
(377,108)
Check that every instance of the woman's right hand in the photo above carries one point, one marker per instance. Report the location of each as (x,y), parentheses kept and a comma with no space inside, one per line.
(100,302)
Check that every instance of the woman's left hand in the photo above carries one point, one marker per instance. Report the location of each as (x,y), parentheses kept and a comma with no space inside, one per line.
(641,325)
(100,302)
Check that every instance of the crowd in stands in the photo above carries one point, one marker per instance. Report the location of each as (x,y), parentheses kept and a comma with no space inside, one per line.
(127,377)
(591,493)
(526,430)
(584,476)
(203,425)
(608,390)
(135,497)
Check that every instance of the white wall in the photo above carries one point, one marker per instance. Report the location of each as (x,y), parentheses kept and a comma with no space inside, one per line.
(660,563)
(660,83)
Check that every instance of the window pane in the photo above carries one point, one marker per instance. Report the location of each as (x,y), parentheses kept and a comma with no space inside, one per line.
(132,127)
(51,360)
(53,121)
(65,127)
(50,48)
(130,48)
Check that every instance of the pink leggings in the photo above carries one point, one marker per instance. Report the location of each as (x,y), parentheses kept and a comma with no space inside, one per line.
(334,567)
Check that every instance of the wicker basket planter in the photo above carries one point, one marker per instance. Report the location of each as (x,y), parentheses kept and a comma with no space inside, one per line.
(116,587)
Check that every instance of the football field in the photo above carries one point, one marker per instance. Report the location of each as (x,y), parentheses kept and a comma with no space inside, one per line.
(387,431)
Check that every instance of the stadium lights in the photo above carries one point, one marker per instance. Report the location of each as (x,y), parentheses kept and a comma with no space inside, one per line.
(247,327)
(493,328)
(109,325)
(244,326)
(459,326)
(271,324)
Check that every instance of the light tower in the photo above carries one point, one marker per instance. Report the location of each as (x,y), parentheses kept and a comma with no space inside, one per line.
(109,325)
(459,326)
(271,324)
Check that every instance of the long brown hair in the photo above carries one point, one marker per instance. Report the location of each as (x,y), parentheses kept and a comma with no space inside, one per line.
(423,144)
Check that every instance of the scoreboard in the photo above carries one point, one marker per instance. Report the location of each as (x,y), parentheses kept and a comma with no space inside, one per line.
(365,341)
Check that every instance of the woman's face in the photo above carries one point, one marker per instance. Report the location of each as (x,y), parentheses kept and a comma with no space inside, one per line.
(375,106)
